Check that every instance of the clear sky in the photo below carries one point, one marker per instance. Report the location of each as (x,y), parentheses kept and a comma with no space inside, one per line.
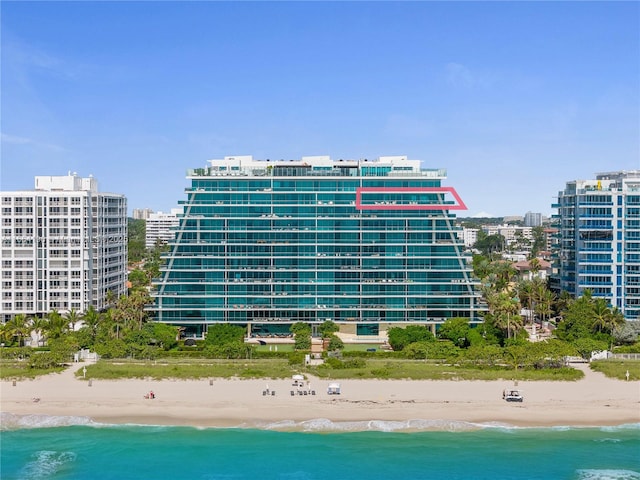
(512,98)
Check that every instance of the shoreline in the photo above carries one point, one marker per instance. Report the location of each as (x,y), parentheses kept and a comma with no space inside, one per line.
(398,405)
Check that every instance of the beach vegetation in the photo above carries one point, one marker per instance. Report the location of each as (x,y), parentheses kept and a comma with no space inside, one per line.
(184,369)
(296,358)
(431,370)
(618,368)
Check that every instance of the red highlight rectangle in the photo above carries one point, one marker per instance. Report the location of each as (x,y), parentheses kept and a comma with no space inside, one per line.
(360,190)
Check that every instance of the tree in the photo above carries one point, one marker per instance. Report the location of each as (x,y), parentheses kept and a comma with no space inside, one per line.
(328,328)
(138,279)
(544,304)
(92,319)
(489,244)
(538,241)
(56,325)
(224,333)
(507,313)
(39,326)
(399,338)
(18,327)
(73,318)
(457,330)
(335,343)
(302,335)
(586,346)
(136,230)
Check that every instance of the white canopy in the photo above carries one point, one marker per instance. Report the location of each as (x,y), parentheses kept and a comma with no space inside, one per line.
(297,377)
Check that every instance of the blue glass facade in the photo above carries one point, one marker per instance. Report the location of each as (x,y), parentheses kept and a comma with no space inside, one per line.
(599,239)
(361,243)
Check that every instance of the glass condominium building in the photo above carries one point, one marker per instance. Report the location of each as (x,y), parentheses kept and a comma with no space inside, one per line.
(599,239)
(366,244)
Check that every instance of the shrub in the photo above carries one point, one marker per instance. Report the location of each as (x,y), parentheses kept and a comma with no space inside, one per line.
(43,360)
(296,358)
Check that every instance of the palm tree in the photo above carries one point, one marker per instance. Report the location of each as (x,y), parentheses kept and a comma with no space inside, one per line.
(92,319)
(119,315)
(524,289)
(57,325)
(18,327)
(507,317)
(39,326)
(73,318)
(544,305)
(615,320)
(534,265)
(606,319)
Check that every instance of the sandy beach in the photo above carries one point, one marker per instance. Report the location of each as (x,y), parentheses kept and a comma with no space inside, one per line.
(592,401)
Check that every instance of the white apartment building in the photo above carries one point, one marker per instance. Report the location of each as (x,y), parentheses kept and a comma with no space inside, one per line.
(160,226)
(141,213)
(64,246)
(468,235)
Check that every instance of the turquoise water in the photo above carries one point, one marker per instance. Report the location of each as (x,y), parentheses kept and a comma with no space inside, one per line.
(473,452)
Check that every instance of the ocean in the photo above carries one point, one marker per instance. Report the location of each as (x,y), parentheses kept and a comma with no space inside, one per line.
(40,447)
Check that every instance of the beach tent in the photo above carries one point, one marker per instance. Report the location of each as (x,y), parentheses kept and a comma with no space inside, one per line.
(333,389)
(298,378)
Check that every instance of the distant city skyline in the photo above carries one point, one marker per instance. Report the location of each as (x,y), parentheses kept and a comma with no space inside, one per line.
(513,99)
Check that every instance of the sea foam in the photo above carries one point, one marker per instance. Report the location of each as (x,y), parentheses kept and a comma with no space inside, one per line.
(46,464)
(415,425)
(597,474)
(10,421)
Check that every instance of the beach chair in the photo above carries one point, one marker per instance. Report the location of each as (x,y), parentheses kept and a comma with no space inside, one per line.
(293,393)
(273,393)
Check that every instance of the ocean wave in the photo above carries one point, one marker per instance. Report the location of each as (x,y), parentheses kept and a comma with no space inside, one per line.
(10,421)
(617,428)
(326,425)
(604,474)
(46,464)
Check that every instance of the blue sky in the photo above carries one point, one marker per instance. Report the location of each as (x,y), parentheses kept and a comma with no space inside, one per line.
(512,98)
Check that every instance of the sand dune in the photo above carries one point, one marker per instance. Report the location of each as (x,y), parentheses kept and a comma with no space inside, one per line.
(592,401)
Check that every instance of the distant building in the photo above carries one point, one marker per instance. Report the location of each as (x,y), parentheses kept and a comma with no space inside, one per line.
(366,244)
(599,239)
(509,232)
(513,219)
(527,271)
(468,235)
(64,246)
(160,227)
(141,213)
(532,219)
